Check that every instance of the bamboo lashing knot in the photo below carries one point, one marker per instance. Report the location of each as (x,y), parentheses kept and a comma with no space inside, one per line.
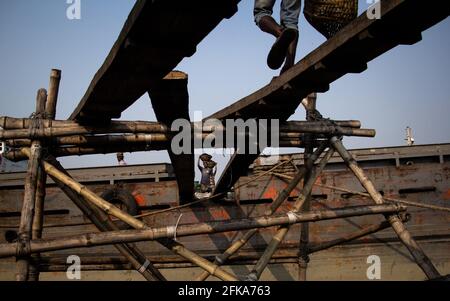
(219,260)
(292,216)
(172,230)
(144,267)
(23,246)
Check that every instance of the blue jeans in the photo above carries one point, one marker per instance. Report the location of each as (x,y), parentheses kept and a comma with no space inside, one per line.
(289,13)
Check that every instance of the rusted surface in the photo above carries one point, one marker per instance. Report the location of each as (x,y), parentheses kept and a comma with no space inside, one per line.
(429,227)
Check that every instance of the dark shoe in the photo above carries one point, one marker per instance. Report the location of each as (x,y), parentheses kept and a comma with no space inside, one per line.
(290,56)
(279,49)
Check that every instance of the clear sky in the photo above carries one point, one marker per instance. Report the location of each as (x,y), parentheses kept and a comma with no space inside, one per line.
(409,86)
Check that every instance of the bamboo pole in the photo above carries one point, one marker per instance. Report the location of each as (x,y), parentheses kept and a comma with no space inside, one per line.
(10,123)
(281,197)
(136,258)
(107,207)
(48,131)
(51,132)
(310,104)
(17,155)
(53,91)
(417,253)
(50,111)
(28,207)
(281,233)
(165,233)
(118,139)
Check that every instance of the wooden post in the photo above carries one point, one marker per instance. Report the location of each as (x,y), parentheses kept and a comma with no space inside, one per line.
(26,220)
(417,253)
(303,258)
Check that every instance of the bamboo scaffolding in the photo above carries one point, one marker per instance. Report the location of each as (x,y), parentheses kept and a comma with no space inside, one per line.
(48,132)
(281,233)
(281,197)
(28,207)
(156,234)
(171,244)
(101,220)
(417,253)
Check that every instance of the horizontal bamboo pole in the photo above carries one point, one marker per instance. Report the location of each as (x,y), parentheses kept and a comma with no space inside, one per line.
(149,234)
(51,132)
(17,155)
(126,147)
(48,132)
(10,123)
(120,139)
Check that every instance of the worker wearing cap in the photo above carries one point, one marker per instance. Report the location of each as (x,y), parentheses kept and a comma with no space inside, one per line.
(286,33)
(208,170)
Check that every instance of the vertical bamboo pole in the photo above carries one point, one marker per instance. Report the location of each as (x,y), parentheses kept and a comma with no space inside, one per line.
(50,113)
(26,220)
(107,207)
(303,258)
(281,197)
(417,253)
(53,91)
(282,231)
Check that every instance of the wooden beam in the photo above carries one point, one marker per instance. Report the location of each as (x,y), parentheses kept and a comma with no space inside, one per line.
(155,38)
(348,51)
(170,100)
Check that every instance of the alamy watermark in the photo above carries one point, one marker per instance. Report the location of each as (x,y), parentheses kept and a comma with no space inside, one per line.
(245,137)
(74,270)
(73,11)
(374,270)
(374,10)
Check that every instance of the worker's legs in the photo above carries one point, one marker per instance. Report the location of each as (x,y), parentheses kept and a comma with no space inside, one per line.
(289,15)
(285,34)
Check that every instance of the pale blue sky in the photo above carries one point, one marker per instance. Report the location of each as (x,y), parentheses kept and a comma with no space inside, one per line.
(409,86)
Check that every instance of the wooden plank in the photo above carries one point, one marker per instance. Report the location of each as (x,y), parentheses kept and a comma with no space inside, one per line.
(401,22)
(155,38)
(170,100)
